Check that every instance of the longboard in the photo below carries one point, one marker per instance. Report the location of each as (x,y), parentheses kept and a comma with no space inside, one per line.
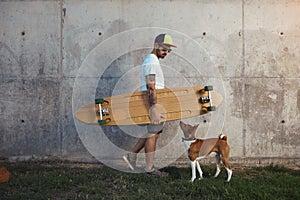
(133,108)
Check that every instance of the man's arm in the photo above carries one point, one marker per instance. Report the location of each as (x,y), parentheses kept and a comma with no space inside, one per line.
(150,81)
(154,113)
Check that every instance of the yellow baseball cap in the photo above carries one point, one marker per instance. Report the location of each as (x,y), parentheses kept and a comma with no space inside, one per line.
(164,39)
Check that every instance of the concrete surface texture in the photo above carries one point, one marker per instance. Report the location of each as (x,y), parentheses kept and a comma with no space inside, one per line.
(55,56)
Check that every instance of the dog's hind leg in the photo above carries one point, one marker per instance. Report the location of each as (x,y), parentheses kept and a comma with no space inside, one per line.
(227,167)
(199,170)
(229,173)
(218,165)
(193,166)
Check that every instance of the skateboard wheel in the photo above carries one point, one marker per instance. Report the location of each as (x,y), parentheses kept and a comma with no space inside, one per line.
(101,122)
(208,88)
(99,101)
(211,108)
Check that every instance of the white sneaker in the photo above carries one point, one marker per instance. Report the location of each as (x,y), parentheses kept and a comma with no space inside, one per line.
(131,162)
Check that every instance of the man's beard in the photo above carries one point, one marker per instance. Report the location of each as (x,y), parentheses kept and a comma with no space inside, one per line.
(160,55)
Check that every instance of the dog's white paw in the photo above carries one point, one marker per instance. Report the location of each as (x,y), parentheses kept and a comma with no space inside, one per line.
(229,171)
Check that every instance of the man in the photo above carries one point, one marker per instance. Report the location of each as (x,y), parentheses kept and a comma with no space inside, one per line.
(152,79)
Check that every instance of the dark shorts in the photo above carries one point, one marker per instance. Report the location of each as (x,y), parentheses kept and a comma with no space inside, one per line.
(153,128)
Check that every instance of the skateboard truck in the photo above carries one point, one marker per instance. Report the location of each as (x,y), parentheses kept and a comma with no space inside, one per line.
(208,98)
(105,111)
(102,111)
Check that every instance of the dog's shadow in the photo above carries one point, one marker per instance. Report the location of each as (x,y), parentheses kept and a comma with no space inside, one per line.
(178,173)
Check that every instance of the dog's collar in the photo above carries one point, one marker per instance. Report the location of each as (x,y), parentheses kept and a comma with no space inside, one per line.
(188,139)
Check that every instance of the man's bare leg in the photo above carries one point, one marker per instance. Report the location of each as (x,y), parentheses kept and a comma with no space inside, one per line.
(139,146)
(130,158)
(150,147)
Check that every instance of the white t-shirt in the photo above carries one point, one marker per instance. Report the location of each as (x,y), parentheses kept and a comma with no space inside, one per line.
(151,66)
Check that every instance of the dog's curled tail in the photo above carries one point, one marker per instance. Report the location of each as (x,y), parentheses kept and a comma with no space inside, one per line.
(223,137)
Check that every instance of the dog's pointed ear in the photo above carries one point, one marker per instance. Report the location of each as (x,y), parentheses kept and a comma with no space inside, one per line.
(193,131)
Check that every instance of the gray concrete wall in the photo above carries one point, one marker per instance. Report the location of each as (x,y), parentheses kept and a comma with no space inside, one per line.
(53,51)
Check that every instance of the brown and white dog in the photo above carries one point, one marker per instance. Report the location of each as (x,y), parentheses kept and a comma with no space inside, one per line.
(198,149)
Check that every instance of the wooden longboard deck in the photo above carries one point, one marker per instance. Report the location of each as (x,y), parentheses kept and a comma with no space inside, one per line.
(128,109)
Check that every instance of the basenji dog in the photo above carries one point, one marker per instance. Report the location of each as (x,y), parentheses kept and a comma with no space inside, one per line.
(198,149)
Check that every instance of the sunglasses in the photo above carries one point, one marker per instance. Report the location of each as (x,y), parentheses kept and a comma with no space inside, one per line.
(163,48)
